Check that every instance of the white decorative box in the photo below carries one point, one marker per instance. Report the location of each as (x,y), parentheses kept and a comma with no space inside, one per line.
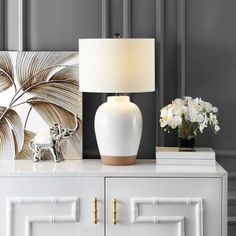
(172,156)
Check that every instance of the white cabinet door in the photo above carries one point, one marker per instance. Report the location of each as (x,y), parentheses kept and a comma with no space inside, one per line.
(164,206)
(50,206)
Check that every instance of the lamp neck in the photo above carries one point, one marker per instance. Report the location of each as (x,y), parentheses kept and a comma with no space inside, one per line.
(118,94)
(118,99)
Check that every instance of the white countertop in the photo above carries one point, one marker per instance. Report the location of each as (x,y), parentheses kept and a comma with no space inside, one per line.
(95,168)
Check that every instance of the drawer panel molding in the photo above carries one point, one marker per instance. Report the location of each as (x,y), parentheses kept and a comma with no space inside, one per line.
(197,202)
(29,220)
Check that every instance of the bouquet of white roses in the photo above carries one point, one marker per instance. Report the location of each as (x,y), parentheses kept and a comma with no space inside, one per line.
(189,115)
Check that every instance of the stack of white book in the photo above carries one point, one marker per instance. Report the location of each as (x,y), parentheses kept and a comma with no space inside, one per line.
(172,156)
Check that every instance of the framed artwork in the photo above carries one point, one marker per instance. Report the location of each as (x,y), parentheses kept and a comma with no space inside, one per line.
(37,90)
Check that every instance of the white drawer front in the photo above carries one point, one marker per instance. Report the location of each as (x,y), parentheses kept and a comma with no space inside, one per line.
(164,206)
(50,206)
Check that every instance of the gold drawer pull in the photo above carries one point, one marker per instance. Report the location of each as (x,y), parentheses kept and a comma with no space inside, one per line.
(114,211)
(95,210)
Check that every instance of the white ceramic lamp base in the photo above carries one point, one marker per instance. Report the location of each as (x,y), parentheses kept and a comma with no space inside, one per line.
(118,128)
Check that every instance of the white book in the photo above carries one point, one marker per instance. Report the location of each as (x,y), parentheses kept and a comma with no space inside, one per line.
(174,153)
(181,161)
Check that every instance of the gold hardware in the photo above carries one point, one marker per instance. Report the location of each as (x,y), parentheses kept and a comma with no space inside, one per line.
(114,211)
(95,210)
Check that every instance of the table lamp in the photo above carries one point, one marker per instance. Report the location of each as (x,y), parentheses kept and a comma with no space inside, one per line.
(117,66)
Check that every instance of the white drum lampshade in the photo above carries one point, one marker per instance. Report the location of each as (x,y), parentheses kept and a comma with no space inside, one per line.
(117,66)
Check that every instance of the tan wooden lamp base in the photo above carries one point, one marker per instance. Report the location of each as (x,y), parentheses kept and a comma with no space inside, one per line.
(118,160)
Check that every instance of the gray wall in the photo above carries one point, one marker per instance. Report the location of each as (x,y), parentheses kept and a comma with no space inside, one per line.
(195,55)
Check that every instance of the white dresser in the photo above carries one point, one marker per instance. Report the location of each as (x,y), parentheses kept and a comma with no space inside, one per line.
(66,199)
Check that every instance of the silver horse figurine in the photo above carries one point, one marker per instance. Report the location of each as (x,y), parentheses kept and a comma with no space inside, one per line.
(52,142)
